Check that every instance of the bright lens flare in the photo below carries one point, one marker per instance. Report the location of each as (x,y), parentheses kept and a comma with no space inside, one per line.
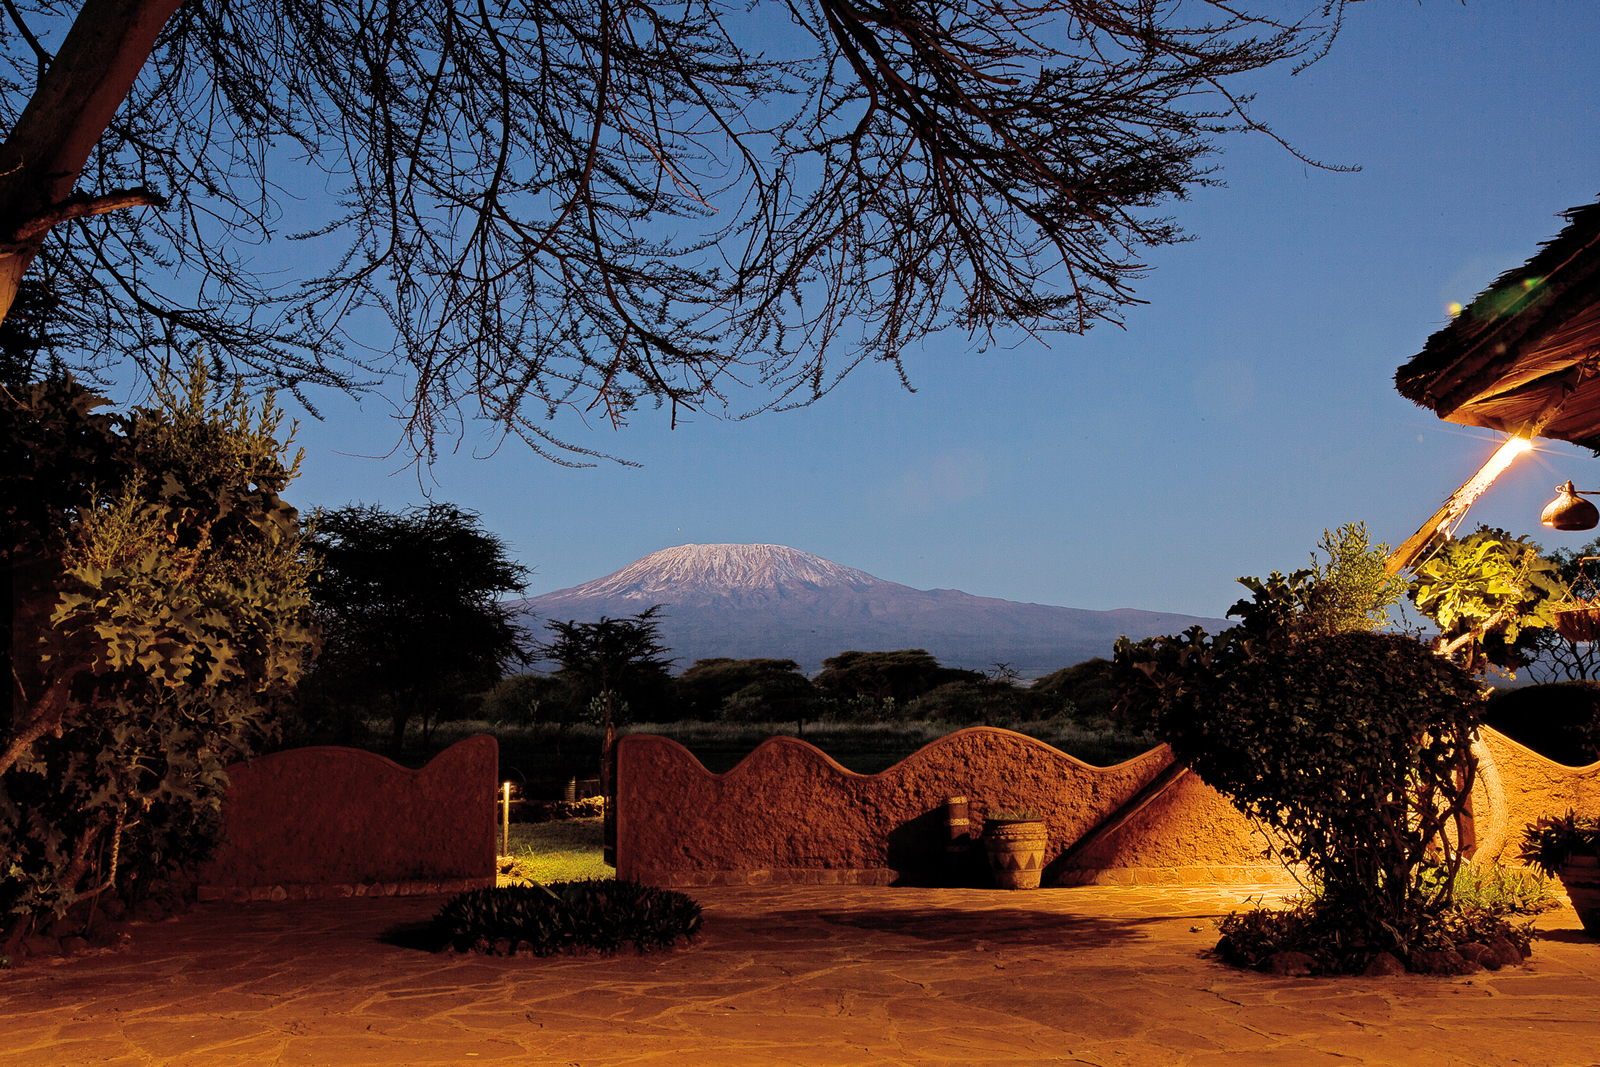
(1498,462)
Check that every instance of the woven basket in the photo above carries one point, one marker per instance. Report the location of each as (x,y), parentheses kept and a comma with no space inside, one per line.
(1578,623)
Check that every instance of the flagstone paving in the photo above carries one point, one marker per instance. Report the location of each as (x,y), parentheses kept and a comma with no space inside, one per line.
(803,975)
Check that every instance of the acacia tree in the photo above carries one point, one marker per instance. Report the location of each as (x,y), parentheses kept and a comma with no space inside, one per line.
(409,610)
(587,204)
(606,658)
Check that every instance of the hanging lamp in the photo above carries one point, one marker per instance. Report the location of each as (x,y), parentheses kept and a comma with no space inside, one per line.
(1569,511)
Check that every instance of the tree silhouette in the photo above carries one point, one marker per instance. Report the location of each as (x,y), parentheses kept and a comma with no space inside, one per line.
(408,608)
(592,204)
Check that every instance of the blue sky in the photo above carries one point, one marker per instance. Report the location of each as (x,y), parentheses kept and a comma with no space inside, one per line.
(1249,406)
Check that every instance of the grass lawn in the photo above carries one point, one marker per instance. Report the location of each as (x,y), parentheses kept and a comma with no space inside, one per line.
(561,851)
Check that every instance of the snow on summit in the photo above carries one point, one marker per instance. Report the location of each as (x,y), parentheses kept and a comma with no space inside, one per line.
(770,600)
(720,570)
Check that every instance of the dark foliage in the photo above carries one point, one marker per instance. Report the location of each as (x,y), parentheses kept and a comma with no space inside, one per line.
(1355,748)
(614,661)
(1091,689)
(1340,946)
(1550,842)
(901,676)
(589,204)
(531,700)
(1560,721)
(749,690)
(707,685)
(410,617)
(976,703)
(30,337)
(159,619)
(600,915)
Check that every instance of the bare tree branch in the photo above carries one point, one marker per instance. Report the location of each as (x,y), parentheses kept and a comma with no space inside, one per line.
(541,208)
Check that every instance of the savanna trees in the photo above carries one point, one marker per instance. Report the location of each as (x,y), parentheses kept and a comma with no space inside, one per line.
(410,612)
(521,208)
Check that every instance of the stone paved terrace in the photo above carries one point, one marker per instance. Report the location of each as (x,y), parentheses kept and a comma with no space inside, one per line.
(797,975)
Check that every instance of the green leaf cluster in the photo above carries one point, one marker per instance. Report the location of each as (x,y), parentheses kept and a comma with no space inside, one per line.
(1489,593)
(1349,591)
(1550,842)
(1354,748)
(160,617)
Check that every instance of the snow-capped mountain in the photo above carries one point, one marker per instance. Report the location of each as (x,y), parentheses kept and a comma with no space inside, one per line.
(770,600)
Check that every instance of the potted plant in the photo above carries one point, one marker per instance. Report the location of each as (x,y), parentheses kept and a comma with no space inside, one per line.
(1016,842)
(1568,847)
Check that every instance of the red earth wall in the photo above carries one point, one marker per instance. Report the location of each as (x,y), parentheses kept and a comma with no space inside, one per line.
(330,821)
(789,813)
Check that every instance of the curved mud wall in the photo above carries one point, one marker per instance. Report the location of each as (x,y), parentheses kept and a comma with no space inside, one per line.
(330,821)
(1515,786)
(789,813)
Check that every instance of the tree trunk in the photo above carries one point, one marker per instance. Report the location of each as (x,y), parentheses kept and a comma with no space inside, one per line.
(77,96)
(397,737)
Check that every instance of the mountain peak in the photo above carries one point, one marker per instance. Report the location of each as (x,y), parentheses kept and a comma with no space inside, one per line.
(721,570)
(775,601)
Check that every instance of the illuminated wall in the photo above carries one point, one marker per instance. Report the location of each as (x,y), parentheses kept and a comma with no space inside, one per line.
(335,822)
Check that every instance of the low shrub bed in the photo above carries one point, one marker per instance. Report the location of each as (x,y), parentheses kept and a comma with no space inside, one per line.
(598,915)
(1304,938)
(1486,923)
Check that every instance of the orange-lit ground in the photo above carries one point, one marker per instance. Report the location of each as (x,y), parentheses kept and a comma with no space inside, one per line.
(792,975)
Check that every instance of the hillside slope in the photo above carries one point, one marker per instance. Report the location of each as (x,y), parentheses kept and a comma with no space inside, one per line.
(770,600)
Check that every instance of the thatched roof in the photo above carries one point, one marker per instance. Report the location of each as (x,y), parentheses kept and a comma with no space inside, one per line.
(1530,337)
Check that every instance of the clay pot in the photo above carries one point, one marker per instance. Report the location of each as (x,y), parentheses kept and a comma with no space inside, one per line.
(1016,851)
(1580,877)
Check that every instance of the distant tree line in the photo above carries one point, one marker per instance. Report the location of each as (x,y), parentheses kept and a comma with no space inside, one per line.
(854,686)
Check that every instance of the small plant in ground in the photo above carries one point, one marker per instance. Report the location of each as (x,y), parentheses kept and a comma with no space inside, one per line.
(1512,892)
(597,915)
(1013,815)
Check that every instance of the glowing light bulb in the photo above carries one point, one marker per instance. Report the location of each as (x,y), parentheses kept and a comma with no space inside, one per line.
(1453,309)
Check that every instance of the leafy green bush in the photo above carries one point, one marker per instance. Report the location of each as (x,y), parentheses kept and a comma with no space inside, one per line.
(1549,843)
(160,619)
(1511,892)
(1491,595)
(901,675)
(973,703)
(1355,748)
(595,914)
